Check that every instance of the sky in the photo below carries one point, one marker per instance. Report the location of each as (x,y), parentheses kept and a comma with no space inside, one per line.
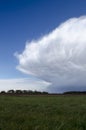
(42,45)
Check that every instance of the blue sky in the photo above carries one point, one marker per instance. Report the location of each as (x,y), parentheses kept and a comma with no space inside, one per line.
(25,20)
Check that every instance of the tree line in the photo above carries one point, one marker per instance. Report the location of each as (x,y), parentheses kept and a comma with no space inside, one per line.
(28,92)
(75,92)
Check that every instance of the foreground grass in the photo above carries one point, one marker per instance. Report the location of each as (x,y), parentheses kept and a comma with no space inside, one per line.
(43,113)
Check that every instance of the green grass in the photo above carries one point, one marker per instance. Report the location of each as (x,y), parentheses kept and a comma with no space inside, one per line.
(43,113)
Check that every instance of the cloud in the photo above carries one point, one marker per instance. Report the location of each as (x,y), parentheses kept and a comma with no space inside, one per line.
(22,84)
(58,57)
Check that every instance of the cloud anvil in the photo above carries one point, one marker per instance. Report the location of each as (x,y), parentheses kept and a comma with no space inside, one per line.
(58,57)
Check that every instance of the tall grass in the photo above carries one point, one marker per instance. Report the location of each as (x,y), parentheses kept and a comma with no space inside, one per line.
(43,113)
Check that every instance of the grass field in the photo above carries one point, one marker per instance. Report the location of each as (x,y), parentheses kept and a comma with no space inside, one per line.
(43,113)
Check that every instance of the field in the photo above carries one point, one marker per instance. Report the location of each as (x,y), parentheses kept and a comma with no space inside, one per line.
(43,112)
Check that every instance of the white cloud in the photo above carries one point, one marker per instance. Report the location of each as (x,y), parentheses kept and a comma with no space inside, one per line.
(22,84)
(58,57)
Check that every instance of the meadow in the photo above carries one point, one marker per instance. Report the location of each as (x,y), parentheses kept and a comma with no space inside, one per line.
(63,112)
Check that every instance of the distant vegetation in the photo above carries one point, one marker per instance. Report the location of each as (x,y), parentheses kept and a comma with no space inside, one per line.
(75,92)
(26,92)
(30,92)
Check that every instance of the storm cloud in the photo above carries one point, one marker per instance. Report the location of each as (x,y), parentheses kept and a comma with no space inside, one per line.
(59,57)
